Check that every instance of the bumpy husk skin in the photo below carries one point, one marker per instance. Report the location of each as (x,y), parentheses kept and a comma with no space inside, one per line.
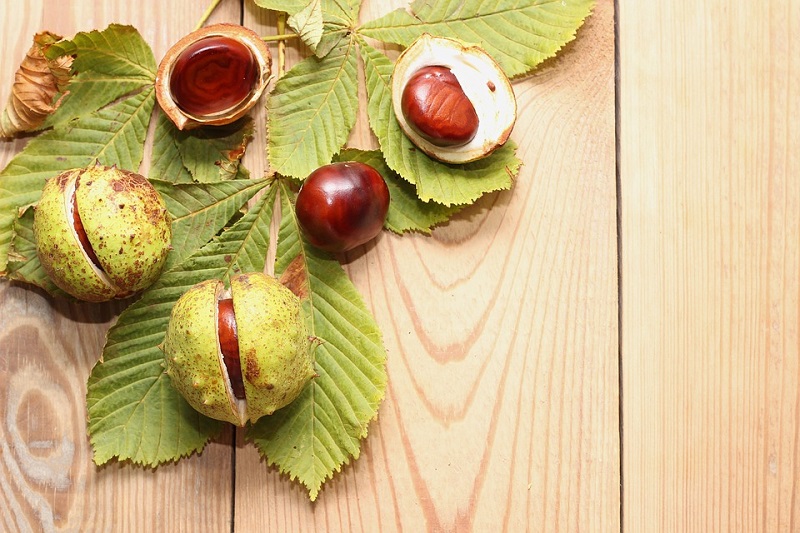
(275,351)
(59,251)
(125,220)
(274,346)
(193,360)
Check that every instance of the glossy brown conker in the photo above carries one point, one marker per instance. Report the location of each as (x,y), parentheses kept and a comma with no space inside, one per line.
(229,345)
(342,205)
(213,75)
(435,105)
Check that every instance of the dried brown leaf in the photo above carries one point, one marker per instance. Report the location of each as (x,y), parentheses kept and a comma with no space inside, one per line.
(36,84)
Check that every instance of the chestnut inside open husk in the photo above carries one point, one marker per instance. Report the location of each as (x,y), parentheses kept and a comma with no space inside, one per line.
(213,76)
(101,232)
(452,100)
(239,354)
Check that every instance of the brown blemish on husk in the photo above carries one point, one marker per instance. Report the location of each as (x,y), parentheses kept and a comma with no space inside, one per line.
(252,371)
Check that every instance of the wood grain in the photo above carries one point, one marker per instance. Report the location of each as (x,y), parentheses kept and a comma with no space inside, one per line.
(501,329)
(501,332)
(710,220)
(48,481)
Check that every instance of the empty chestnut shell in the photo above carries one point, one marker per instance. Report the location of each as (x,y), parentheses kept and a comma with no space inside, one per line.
(342,205)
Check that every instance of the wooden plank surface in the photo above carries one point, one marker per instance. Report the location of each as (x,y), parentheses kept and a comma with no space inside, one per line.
(48,347)
(502,341)
(501,330)
(710,220)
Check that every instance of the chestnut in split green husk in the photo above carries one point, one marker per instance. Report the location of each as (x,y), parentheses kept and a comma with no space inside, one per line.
(101,232)
(238,354)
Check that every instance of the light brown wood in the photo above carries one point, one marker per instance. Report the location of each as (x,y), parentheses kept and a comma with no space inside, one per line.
(710,213)
(502,410)
(501,330)
(48,481)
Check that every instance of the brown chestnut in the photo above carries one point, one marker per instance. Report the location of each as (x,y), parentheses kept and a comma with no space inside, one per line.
(435,105)
(342,205)
(213,75)
(452,100)
(229,345)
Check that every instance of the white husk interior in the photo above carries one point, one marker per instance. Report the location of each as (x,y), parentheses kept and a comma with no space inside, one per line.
(496,109)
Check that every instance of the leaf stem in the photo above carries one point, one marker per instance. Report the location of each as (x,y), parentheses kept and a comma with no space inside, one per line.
(281,45)
(209,10)
(283,37)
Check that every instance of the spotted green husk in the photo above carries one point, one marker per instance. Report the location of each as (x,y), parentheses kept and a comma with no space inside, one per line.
(274,347)
(59,250)
(275,351)
(126,223)
(192,356)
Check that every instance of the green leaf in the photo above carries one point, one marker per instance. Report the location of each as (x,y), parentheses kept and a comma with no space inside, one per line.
(435,181)
(339,18)
(23,264)
(321,430)
(518,34)
(204,155)
(166,163)
(312,110)
(287,6)
(113,135)
(406,211)
(214,154)
(200,211)
(134,411)
(322,24)
(343,13)
(308,23)
(332,35)
(109,64)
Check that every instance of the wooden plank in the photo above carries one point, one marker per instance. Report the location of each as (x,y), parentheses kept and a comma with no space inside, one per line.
(48,347)
(501,332)
(710,219)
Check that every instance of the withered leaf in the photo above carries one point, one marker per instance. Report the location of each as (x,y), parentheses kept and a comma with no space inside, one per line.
(37,82)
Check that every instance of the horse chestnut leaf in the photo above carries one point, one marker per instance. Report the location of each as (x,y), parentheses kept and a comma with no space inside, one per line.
(342,205)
